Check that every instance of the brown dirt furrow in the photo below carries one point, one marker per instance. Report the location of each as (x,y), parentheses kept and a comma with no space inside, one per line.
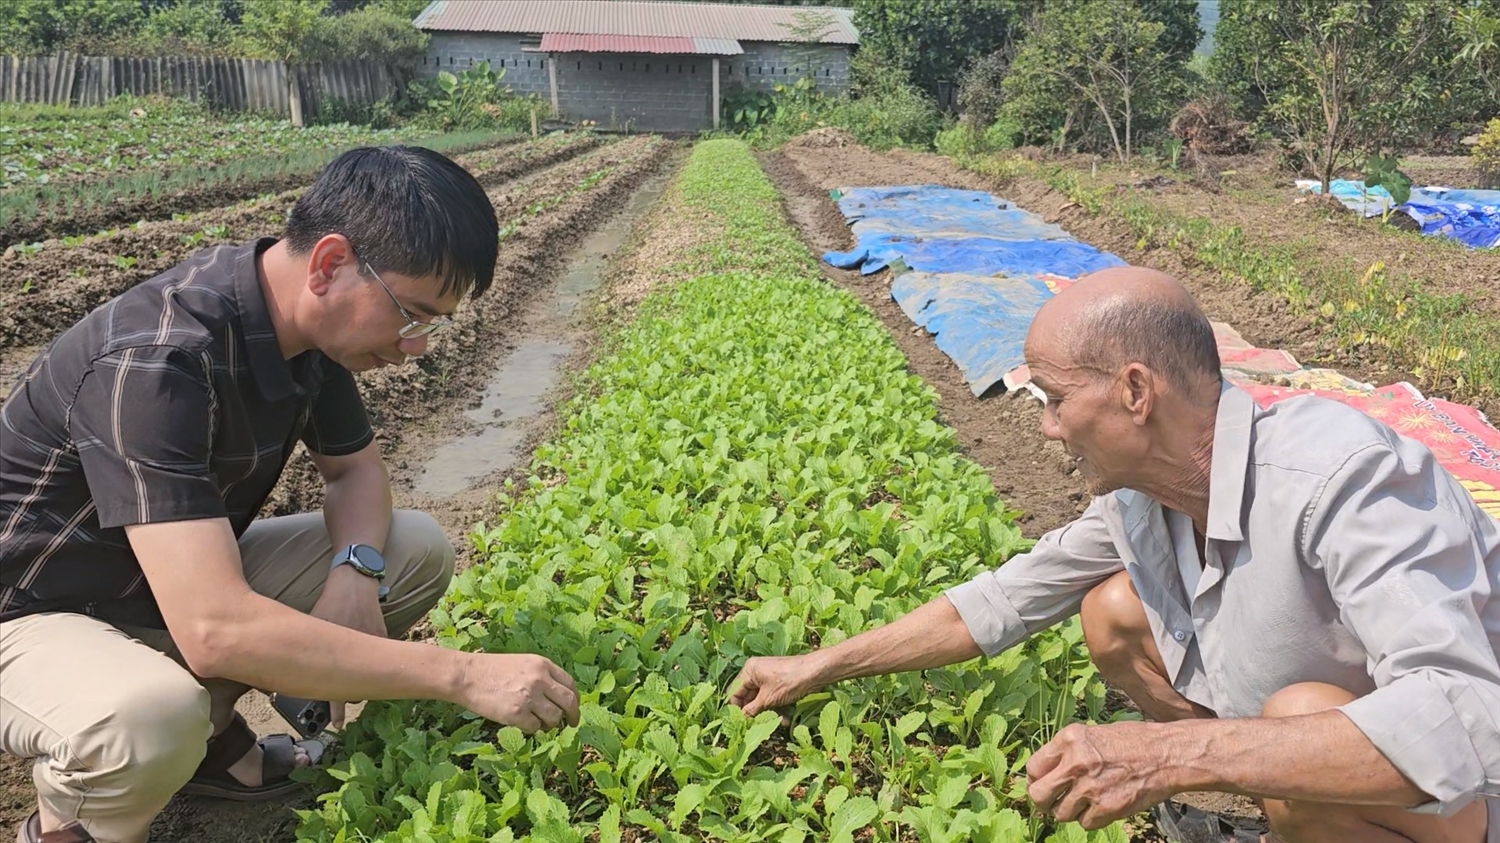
(128,210)
(410,398)
(1003,433)
(48,290)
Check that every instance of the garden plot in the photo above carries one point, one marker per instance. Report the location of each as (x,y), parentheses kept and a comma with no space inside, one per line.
(51,285)
(749,470)
(407,404)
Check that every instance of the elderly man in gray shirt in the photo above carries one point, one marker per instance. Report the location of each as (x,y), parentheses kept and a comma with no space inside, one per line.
(1298,597)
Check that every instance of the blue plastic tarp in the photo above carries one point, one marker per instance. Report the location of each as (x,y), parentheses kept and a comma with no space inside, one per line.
(980,322)
(1369,201)
(1471,217)
(934,211)
(973,267)
(975,256)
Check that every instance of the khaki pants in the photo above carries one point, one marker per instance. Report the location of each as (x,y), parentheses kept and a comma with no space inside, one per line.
(116,727)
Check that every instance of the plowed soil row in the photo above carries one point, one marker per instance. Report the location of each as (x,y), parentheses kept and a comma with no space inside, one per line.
(1003,434)
(460,359)
(129,209)
(46,291)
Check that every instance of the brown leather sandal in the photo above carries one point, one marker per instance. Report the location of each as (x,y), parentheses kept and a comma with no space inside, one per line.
(213,778)
(31,832)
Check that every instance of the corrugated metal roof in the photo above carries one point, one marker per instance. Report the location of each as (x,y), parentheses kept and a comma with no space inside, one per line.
(566,42)
(635,17)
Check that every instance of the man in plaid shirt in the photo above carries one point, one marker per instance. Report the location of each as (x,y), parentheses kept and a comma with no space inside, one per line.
(139,595)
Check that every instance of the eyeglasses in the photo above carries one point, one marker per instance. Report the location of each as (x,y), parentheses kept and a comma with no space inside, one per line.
(413,327)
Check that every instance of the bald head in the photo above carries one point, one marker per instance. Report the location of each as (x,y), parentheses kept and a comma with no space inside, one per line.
(1115,317)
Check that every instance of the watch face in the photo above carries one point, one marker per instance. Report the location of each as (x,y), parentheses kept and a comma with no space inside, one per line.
(369,557)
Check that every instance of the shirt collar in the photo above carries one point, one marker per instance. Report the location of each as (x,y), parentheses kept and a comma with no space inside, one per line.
(270,369)
(1230,462)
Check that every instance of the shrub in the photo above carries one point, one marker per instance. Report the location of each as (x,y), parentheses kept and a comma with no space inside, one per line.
(901,117)
(1486,155)
(962,140)
(979,92)
(368,33)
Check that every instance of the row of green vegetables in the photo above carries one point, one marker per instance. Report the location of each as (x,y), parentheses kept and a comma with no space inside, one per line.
(749,469)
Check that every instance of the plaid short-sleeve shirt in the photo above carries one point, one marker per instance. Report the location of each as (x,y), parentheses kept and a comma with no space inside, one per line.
(170,402)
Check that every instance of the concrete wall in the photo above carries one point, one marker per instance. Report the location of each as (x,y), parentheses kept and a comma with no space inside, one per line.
(649,92)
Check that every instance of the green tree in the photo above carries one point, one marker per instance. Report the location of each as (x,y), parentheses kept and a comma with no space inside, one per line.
(408,9)
(371,32)
(187,26)
(1339,80)
(44,26)
(284,30)
(935,39)
(1479,28)
(1097,61)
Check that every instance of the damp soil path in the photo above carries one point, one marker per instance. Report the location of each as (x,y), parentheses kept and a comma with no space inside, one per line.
(542,293)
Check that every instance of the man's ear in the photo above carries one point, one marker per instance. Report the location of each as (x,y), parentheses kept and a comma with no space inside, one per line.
(1137,392)
(324,260)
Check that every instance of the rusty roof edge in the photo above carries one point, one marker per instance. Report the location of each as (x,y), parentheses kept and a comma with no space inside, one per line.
(841,32)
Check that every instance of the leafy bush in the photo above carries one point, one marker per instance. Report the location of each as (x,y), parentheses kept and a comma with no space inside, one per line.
(368,33)
(979,88)
(901,117)
(1486,155)
(962,140)
(467,100)
(1002,135)
(958,141)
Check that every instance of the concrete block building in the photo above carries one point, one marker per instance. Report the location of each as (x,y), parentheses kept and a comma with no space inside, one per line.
(641,65)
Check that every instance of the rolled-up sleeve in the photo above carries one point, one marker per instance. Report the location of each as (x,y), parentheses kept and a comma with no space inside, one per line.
(1041,587)
(1405,554)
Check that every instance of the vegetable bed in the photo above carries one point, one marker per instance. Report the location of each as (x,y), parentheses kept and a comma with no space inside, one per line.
(748,469)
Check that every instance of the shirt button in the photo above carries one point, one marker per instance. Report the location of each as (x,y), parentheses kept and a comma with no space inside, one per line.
(1180,635)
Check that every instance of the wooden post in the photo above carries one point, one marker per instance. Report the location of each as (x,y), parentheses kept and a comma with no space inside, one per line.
(716,93)
(552,81)
(533,123)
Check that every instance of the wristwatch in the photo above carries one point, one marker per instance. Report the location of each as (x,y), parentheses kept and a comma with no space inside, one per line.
(364,559)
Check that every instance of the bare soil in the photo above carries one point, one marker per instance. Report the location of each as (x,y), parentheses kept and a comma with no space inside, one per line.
(1261,199)
(48,290)
(52,223)
(412,407)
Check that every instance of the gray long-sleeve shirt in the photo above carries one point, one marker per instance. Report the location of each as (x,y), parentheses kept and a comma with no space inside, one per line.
(1336,551)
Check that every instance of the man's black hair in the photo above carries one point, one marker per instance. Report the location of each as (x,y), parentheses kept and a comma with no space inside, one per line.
(405,209)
